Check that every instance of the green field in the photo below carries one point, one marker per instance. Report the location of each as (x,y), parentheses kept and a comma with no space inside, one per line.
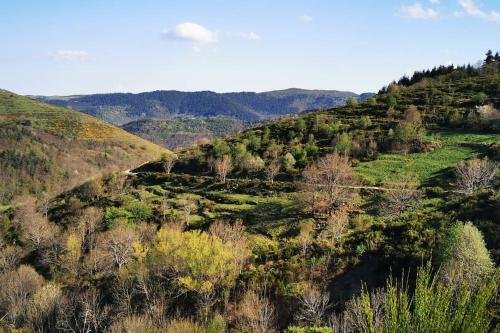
(455,146)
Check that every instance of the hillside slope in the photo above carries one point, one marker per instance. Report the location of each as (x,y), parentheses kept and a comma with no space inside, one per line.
(178,133)
(121,108)
(299,215)
(46,149)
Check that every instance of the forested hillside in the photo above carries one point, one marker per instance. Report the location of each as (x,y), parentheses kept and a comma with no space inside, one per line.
(180,133)
(121,108)
(376,216)
(46,149)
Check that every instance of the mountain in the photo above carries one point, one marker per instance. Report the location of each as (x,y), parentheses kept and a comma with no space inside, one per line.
(47,149)
(121,108)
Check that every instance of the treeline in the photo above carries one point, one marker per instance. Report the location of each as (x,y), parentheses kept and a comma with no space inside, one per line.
(456,72)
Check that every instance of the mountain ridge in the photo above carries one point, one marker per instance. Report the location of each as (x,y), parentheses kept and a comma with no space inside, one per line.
(122,108)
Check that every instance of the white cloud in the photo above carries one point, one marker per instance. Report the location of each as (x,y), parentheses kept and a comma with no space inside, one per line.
(305,18)
(471,8)
(70,55)
(249,35)
(417,11)
(434,2)
(191,32)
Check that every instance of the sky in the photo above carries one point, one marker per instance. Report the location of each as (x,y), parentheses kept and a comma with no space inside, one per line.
(63,47)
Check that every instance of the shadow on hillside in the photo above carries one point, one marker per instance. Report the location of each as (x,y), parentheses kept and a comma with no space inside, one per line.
(272,215)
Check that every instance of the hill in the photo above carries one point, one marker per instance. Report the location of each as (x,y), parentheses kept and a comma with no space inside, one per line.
(121,108)
(46,149)
(178,133)
(315,222)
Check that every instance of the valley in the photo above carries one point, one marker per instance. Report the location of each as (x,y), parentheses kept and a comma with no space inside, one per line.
(377,215)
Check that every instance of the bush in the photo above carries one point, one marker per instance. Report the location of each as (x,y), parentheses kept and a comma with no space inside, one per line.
(138,210)
(464,257)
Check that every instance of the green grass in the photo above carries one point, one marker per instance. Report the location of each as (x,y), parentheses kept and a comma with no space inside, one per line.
(455,146)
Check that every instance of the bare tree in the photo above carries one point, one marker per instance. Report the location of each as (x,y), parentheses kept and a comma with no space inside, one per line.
(117,244)
(188,205)
(475,174)
(17,287)
(336,223)
(272,169)
(310,185)
(227,232)
(164,207)
(35,230)
(402,196)
(90,224)
(223,166)
(313,305)
(83,313)
(328,184)
(235,236)
(168,161)
(257,312)
(305,236)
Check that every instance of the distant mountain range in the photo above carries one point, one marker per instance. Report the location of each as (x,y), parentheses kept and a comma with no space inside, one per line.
(122,108)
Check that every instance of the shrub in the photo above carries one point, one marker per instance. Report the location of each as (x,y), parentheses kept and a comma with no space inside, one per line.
(464,257)
(138,210)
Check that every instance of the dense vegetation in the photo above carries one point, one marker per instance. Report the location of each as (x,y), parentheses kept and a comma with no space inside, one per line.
(177,133)
(122,108)
(46,149)
(378,216)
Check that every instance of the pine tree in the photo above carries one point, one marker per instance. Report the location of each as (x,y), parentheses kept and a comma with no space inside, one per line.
(489,57)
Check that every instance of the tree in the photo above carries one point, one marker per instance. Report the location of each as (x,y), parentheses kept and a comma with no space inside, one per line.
(257,313)
(34,230)
(480,98)
(70,260)
(220,148)
(343,144)
(413,116)
(402,196)
(251,163)
(91,190)
(327,183)
(273,151)
(306,235)
(464,257)
(15,293)
(43,310)
(117,243)
(288,162)
(233,235)
(223,167)
(365,122)
(489,57)
(475,174)
(272,169)
(409,133)
(272,165)
(168,161)
(313,304)
(188,205)
(201,262)
(351,101)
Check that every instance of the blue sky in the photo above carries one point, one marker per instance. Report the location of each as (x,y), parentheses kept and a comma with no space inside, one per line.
(61,47)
